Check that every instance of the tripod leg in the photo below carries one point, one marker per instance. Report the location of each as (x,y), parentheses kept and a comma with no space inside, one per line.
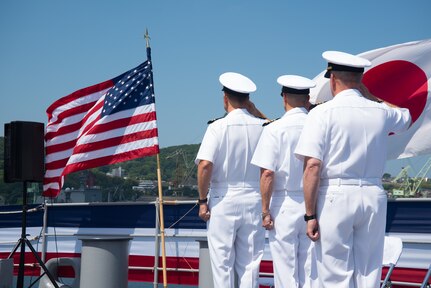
(42,265)
(20,279)
(14,249)
(37,279)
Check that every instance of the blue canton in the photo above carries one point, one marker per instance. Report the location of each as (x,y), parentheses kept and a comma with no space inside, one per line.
(134,89)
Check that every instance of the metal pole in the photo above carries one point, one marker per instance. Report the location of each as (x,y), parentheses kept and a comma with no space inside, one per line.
(427,276)
(20,279)
(44,232)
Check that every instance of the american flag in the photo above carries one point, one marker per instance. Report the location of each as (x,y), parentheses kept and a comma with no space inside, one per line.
(106,123)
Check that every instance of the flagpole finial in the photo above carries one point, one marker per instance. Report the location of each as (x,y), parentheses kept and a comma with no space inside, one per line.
(147,38)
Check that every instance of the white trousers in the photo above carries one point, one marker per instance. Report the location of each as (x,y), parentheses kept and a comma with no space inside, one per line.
(352,223)
(290,247)
(236,238)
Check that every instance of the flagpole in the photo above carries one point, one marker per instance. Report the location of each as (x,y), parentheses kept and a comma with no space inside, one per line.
(159,185)
(162,225)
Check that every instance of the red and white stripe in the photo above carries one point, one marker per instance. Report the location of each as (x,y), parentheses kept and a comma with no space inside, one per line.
(78,138)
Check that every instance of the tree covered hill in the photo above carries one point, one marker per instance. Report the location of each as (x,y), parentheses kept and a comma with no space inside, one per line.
(118,182)
(177,168)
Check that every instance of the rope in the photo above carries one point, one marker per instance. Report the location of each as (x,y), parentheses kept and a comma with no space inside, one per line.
(35,209)
(185,214)
(181,218)
(35,238)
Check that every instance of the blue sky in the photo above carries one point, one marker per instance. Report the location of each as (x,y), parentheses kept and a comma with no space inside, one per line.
(50,48)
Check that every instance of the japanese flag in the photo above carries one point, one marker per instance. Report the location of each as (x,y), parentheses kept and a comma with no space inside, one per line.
(400,74)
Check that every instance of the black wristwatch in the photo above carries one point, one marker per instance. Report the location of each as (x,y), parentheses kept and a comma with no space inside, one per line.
(309,217)
(202,201)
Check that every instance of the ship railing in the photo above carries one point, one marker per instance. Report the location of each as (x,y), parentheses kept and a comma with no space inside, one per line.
(157,236)
(45,235)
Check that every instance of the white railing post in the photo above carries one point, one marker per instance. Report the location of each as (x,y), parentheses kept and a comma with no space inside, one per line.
(44,232)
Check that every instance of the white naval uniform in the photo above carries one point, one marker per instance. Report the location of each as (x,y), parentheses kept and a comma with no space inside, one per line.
(235,236)
(289,244)
(349,134)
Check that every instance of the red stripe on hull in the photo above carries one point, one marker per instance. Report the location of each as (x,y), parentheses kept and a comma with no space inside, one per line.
(401,274)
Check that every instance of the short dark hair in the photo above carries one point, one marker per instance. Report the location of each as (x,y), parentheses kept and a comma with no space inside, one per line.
(235,96)
(348,76)
(299,98)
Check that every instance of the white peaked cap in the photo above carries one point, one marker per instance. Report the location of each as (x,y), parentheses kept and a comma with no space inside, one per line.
(345,59)
(295,82)
(237,82)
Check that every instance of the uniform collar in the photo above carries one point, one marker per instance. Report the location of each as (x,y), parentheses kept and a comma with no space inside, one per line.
(349,92)
(297,110)
(238,111)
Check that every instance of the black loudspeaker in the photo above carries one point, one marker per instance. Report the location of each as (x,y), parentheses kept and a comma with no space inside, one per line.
(23,152)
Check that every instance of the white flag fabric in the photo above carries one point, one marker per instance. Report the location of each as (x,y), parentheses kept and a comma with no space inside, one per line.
(400,74)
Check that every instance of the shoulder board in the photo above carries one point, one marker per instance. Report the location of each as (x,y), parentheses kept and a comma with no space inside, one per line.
(213,120)
(269,122)
(315,105)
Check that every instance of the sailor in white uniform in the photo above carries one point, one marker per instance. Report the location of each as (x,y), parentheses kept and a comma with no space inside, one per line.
(281,186)
(343,145)
(235,236)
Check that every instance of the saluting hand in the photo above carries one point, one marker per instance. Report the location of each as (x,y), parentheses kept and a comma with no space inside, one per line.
(367,94)
(313,229)
(252,109)
(204,212)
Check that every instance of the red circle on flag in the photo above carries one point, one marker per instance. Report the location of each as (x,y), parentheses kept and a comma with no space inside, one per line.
(401,83)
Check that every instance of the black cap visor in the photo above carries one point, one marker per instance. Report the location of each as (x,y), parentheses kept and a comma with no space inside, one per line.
(294,91)
(337,67)
(231,92)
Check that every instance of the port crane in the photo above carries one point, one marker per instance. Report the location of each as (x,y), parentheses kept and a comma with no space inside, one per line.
(409,187)
(181,178)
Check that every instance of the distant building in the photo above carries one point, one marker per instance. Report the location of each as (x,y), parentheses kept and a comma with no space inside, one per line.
(116,172)
(69,195)
(145,185)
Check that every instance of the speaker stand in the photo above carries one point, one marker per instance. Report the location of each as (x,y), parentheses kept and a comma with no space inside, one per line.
(24,241)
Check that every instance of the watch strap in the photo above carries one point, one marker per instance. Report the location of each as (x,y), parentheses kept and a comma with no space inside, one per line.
(309,217)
